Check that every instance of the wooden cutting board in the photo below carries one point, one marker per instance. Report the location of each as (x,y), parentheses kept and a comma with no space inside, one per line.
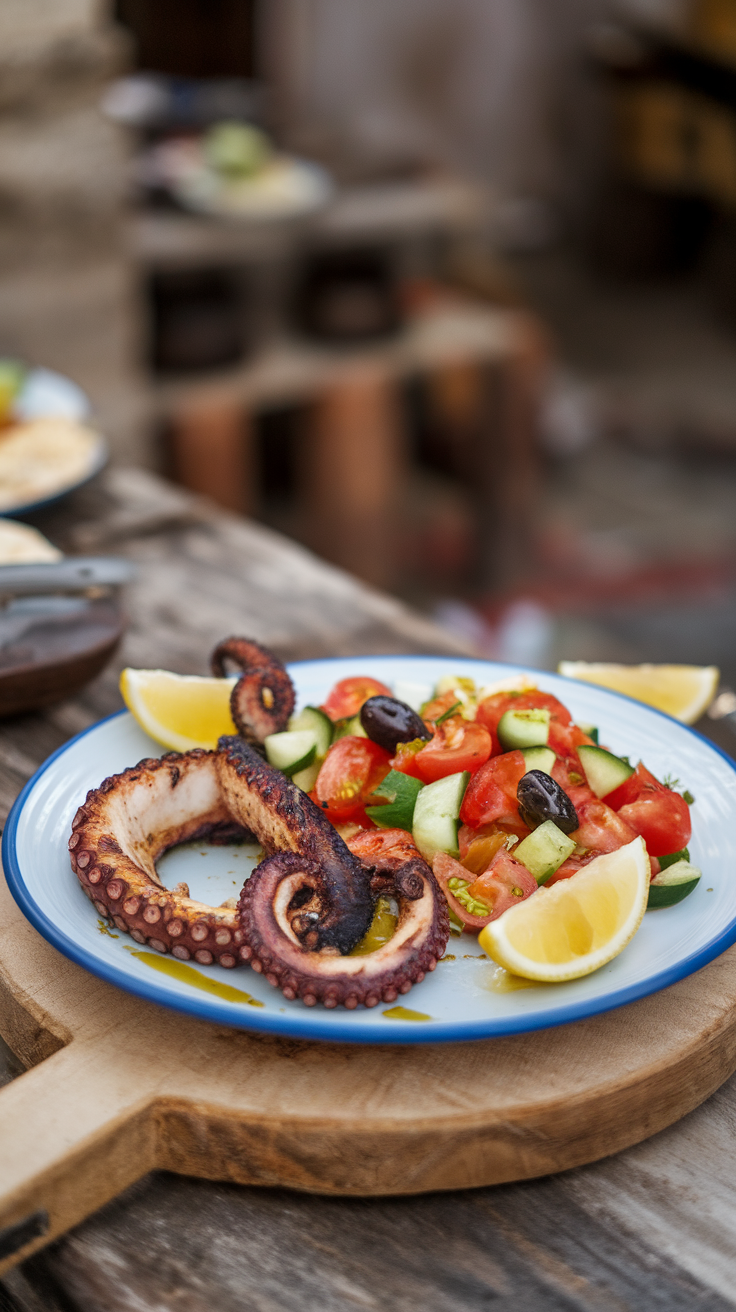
(116,1087)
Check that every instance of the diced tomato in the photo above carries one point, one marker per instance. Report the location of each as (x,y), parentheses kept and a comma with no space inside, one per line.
(352,770)
(567,772)
(575,863)
(482,848)
(456,745)
(660,815)
(491,793)
(371,845)
(348,695)
(663,820)
(479,846)
(564,739)
(438,705)
(601,828)
(633,787)
(504,884)
(492,708)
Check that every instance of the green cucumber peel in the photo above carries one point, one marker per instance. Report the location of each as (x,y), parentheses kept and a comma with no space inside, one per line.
(673,858)
(527,728)
(673,884)
(401,791)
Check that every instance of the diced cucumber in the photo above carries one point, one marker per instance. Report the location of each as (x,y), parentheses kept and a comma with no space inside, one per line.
(603,770)
(306,779)
(544,850)
(400,791)
(316,720)
(673,884)
(437,815)
(291,752)
(538,758)
(590,729)
(523,729)
(348,728)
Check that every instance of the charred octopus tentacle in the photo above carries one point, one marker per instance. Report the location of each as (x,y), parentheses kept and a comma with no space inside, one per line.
(303,909)
(122,829)
(263,698)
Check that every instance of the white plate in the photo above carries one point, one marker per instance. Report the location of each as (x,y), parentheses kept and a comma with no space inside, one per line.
(458,1000)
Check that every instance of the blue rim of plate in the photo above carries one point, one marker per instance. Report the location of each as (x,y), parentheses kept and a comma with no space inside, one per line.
(310,1026)
(101,457)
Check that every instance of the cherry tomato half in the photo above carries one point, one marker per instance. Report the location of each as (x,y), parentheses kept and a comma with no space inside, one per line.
(661,816)
(348,695)
(491,793)
(505,883)
(601,828)
(492,708)
(456,745)
(662,819)
(352,770)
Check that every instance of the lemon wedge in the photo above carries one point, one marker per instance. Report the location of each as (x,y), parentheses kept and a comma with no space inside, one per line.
(683,691)
(578,924)
(179,710)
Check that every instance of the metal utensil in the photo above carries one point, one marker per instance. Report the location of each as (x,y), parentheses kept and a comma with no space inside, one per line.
(73,574)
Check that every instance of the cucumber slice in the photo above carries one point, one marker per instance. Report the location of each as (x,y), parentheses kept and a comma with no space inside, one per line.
(400,791)
(291,752)
(673,884)
(544,851)
(316,720)
(348,728)
(523,729)
(437,815)
(590,729)
(603,770)
(538,758)
(307,778)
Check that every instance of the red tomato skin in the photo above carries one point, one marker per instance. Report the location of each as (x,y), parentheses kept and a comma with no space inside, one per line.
(492,708)
(601,829)
(352,770)
(633,787)
(502,875)
(348,695)
(491,793)
(497,884)
(662,819)
(456,745)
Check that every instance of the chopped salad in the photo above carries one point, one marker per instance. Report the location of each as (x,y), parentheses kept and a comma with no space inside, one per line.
(497,787)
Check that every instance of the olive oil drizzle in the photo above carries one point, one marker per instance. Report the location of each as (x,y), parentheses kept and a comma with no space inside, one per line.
(188,975)
(404,1013)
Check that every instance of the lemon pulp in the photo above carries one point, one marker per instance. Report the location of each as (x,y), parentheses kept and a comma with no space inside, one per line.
(579,924)
(683,691)
(180,711)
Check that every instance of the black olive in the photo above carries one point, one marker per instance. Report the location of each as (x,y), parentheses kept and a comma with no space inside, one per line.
(389,722)
(541,798)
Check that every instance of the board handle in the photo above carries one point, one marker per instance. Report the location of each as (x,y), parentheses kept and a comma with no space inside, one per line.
(73,1134)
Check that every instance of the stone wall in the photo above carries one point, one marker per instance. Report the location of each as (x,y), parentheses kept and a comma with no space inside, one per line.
(67,287)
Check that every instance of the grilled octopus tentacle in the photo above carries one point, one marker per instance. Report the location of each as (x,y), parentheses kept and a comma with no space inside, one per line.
(263,698)
(304,907)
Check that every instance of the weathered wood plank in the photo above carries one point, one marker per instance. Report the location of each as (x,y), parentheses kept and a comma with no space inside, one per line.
(171,1243)
(654,1227)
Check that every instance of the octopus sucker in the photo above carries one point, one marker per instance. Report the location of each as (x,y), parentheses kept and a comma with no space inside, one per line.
(308,903)
(263,698)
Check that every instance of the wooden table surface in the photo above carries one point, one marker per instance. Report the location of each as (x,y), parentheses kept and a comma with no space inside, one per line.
(654,1228)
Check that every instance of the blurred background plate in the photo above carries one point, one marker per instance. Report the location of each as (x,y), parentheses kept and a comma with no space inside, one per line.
(44,394)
